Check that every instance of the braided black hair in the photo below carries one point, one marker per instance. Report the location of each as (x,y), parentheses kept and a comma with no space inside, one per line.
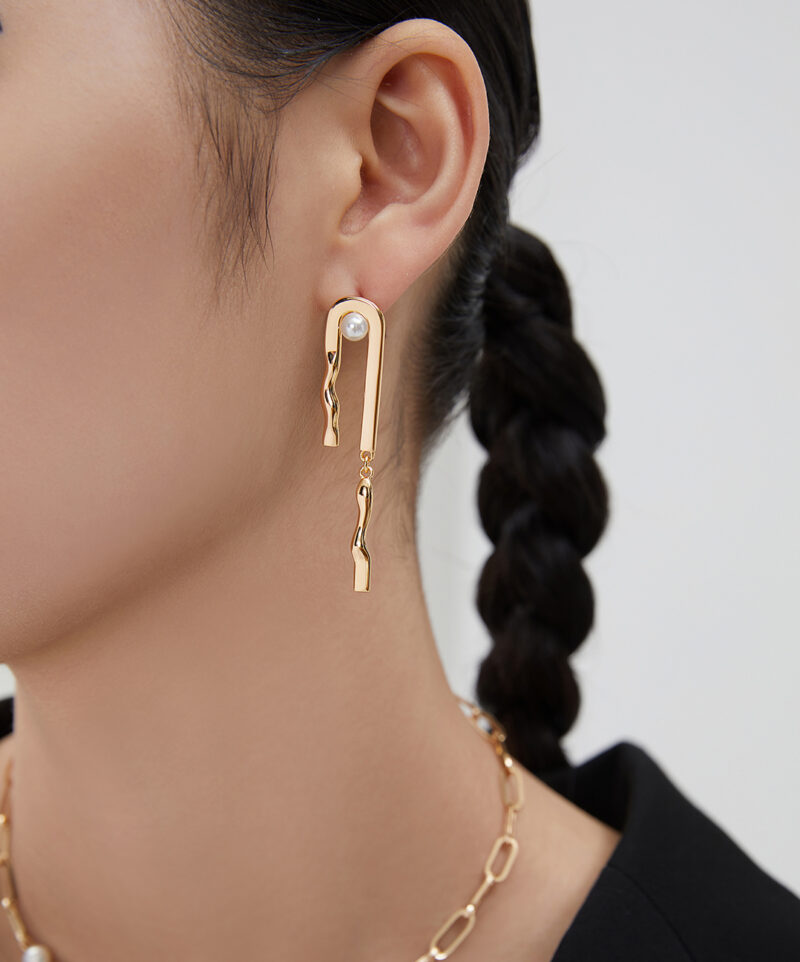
(537,405)
(500,338)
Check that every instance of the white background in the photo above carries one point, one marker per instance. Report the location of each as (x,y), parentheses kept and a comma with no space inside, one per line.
(666,183)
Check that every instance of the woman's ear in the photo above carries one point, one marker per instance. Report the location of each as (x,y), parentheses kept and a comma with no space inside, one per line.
(406,121)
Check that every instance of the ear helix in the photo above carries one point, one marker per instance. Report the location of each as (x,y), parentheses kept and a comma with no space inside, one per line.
(356,318)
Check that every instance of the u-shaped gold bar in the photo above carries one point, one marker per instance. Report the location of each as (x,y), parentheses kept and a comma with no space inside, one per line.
(376,335)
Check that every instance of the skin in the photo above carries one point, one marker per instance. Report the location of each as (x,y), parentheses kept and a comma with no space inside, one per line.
(220,749)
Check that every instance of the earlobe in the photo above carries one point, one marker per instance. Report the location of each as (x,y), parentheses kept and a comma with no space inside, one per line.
(422,145)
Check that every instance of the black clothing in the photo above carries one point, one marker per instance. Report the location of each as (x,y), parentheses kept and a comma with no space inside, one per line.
(676,888)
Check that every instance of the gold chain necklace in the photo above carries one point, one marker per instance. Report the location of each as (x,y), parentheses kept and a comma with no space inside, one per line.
(511,795)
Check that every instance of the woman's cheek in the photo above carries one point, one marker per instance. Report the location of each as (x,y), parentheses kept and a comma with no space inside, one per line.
(101,360)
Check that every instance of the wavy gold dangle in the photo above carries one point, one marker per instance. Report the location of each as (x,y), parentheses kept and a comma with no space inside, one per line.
(356,318)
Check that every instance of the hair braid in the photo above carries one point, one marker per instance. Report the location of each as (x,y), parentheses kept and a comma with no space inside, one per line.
(537,406)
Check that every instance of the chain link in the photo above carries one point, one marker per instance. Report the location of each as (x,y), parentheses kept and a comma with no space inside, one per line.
(10,900)
(513,799)
(366,466)
(460,923)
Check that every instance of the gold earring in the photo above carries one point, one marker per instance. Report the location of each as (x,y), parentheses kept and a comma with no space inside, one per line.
(356,318)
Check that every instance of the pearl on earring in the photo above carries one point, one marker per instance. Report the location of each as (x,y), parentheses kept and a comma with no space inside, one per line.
(354,326)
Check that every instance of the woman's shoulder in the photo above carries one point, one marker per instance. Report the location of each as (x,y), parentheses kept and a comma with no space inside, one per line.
(677,887)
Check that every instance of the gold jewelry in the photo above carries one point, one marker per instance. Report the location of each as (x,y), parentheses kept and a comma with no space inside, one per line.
(31,951)
(511,794)
(356,318)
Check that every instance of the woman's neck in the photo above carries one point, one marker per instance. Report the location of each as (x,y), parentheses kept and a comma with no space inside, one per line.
(248,759)
(244,758)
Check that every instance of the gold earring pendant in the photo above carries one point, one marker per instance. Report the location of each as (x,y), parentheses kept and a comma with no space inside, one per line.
(356,318)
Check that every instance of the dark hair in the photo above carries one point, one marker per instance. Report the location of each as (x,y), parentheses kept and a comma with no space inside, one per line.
(500,338)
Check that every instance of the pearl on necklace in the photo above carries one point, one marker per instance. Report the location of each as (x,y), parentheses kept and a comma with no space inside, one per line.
(37,953)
